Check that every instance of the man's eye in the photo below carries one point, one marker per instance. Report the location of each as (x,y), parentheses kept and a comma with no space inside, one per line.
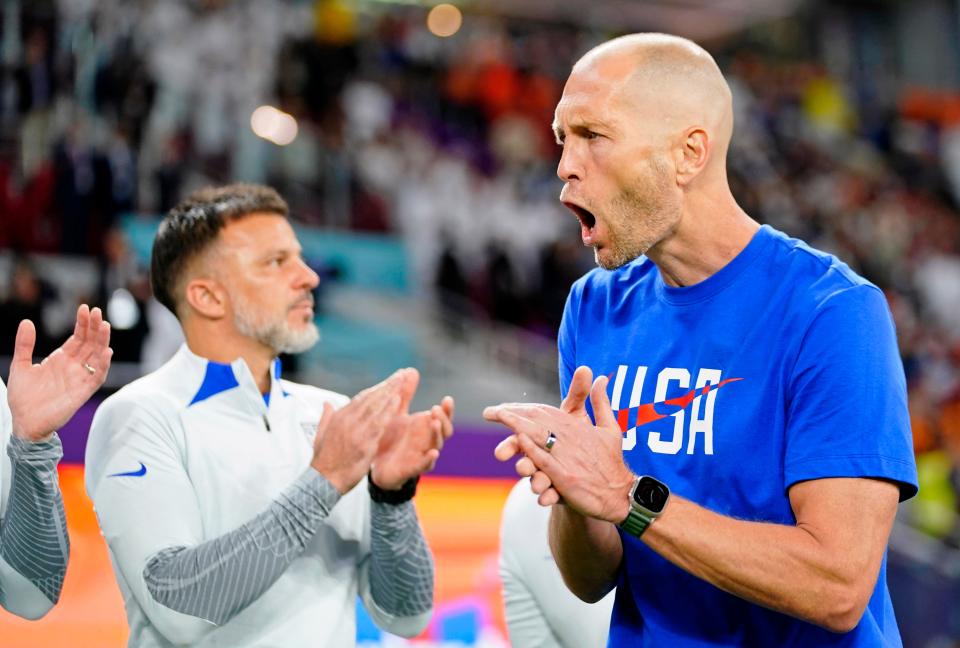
(275,261)
(590,135)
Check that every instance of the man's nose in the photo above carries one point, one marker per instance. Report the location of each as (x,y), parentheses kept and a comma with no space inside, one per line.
(569,167)
(308,277)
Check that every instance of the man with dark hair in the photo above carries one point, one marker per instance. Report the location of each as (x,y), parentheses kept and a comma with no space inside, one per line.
(194,224)
(39,399)
(739,482)
(241,509)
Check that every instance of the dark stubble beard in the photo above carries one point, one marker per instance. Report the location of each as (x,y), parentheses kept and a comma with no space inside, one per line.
(640,216)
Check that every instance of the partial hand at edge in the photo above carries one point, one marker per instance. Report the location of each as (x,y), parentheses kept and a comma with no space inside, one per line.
(42,397)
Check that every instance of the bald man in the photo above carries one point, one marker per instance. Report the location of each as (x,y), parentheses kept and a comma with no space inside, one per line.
(735,467)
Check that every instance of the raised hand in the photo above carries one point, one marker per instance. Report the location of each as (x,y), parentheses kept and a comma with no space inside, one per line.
(585,466)
(412,443)
(42,397)
(348,438)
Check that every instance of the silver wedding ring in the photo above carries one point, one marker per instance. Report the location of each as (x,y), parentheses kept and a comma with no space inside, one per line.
(551,441)
(89,368)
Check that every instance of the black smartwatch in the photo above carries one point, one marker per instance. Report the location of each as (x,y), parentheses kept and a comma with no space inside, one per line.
(648,498)
(404,494)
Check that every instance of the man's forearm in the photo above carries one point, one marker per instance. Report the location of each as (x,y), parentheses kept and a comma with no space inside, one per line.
(33,537)
(822,573)
(401,571)
(217,579)
(587,551)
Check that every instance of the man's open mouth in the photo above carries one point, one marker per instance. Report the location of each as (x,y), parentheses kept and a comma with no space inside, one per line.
(587,219)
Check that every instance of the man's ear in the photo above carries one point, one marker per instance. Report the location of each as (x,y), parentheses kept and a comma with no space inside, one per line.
(206,297)
(693,154)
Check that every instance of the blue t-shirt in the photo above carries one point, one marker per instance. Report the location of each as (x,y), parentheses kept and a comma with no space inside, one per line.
(781,367)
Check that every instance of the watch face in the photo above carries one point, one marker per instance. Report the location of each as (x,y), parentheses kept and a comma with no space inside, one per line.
(651,494)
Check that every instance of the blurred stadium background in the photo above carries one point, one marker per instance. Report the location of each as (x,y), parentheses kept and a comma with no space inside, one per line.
(412,143)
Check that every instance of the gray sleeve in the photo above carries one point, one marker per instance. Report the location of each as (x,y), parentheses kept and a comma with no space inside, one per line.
(217,579)
(33,533)
(401,570)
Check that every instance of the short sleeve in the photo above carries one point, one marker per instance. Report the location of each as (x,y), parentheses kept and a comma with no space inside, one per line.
(847,399)
(567,340)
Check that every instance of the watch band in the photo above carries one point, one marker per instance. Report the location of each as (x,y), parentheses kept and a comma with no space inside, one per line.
(404,494)
(635,523)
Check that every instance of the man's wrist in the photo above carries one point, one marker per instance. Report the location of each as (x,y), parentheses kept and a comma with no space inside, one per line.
(403,494)
(620,506)
(647,499)
(343,483)
(46,452)
(29,436)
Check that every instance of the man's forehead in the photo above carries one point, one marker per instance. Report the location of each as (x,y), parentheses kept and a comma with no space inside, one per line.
(587,97)
(259,230)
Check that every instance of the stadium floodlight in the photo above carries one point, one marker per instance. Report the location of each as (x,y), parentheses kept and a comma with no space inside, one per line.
(444,20)
(273,125)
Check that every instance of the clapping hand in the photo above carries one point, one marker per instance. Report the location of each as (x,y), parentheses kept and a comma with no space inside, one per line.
(584,463)
(348,438)
(44,396)
(412,442)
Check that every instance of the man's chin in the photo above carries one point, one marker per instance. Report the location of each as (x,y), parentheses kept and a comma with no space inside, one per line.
(297,340)
(612,259)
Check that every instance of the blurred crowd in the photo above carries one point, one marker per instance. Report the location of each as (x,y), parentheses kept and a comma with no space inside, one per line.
(116,108)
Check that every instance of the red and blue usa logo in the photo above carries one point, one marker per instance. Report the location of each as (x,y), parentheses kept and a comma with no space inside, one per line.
(698,401)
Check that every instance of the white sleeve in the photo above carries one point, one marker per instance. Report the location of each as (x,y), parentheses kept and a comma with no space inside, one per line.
(540,611)
(141,514)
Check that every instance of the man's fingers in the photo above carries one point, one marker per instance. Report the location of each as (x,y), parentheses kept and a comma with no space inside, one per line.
(325,417)
(430,460)
(23,346)
(507,448)
(446,424)
(379,403)
(408,382)
(99,329)
(83,322)
(93,322)
(448,406)
(516,422)
(539,482)
(602,411)
(492,411)
(540,457)
(529,410)
(388,384)
(525,467)
(389,410)
(103,363)
(375,411)
(436,434)
(579,390)
(548,497)
(534,419)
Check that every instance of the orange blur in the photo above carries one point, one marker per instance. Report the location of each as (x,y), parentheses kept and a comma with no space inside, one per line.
(460,516)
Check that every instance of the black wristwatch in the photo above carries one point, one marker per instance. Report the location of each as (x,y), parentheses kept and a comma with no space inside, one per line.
(404,494)
(648,498)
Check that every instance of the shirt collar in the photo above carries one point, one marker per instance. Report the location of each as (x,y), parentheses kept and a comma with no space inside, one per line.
(219,377)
